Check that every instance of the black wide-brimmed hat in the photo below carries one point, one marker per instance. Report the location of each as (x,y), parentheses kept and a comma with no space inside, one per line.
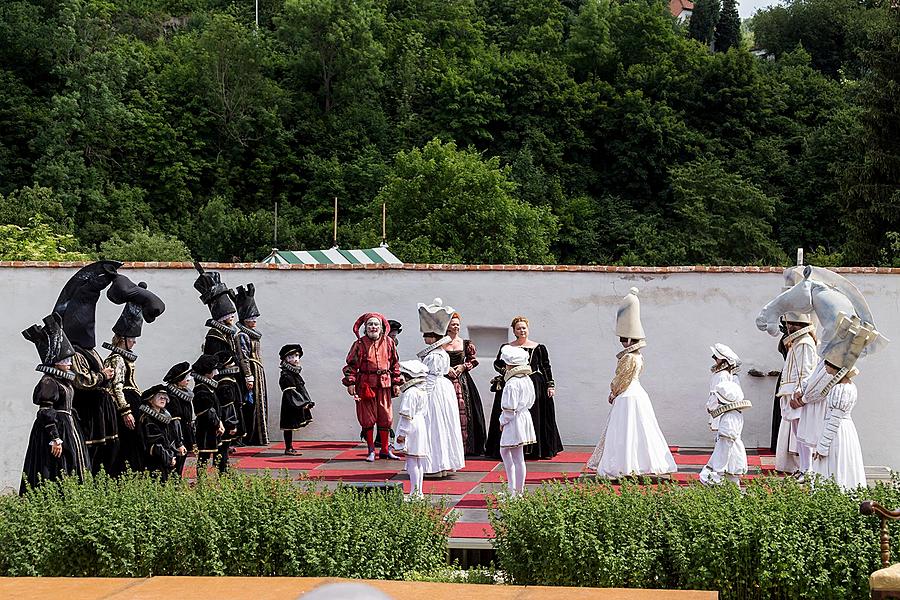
(225,359)
(152,391)
(178,372)
(396,327)
(205,364)
(290,349)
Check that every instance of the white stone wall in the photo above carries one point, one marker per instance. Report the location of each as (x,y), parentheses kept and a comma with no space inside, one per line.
(572,312)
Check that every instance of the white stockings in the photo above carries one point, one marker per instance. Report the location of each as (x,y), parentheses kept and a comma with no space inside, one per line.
(514,463)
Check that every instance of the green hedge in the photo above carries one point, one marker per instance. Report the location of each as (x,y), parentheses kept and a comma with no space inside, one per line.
(779,539)
(234,525)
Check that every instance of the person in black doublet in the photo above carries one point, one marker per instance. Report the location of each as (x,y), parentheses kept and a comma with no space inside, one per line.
(296,404)
(178,382)
(543,413)
(229,394)
(56,444)
(124,390)
(209,425)
(161,435)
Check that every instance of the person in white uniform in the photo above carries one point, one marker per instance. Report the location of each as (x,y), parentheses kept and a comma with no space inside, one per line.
(412,430)
(725,405)
(631,442)
(799,363)
(516,426)
(446,453)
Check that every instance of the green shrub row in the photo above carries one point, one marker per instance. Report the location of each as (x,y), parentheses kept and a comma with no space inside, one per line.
(778,539)
(235,525)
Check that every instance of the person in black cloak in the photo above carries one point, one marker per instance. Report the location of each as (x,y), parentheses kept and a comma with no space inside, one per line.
(77,305)
(229,394)
(125,393)
(209,425)
(295,400)
(160,433)
(255,409)
(222,334)
(178,381)
(56,445)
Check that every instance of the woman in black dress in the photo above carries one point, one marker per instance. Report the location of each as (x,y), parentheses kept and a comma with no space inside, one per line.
(543,413)
(295,400)
(471,413)
(56,445)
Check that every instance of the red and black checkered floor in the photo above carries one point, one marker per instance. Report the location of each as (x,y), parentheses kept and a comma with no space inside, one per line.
(330,463)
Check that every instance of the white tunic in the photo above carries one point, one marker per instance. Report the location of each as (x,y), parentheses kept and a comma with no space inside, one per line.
(632,443)
(444,431)
(413,414)
(839,444)
(516,425)
(799,364)
(712,400)
(812,413)
(729,455)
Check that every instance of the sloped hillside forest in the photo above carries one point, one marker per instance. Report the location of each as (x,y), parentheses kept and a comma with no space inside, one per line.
(493,131)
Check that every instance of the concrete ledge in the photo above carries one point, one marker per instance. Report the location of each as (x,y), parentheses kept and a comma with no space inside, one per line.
(287,588)
(43,264)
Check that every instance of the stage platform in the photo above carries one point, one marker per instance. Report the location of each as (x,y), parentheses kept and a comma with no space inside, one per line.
(288,588)
(328,463)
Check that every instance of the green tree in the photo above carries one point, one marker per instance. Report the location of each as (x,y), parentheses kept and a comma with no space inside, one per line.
(704,18)
(720,218)
(37,241)
(872,185)
(141,246)
(728,29)
(452,205)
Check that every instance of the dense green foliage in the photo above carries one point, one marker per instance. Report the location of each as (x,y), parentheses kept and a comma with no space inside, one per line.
(235,525)
(571,131)
(779,539)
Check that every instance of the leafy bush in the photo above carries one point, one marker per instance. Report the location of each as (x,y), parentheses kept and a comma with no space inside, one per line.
(778,539)
(141,245)
(236,525)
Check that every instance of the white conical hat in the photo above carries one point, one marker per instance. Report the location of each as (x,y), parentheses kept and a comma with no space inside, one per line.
(628,317)
(435,317)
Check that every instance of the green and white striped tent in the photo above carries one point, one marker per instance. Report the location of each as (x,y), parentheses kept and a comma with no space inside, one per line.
(333,256)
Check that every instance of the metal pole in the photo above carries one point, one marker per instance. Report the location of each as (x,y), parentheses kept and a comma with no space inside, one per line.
(257,14)
(335,222)
(276,223)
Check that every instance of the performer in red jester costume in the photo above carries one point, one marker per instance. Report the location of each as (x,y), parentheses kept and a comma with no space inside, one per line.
(372,378)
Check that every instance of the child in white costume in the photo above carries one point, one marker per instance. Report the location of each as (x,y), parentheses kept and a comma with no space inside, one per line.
(516,426)
(725,403)
(412,431)
(631,442)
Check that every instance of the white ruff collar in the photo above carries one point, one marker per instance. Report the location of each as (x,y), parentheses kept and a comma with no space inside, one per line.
(432,347)
(798,334)
(411,382)
(632,348)
(520,371)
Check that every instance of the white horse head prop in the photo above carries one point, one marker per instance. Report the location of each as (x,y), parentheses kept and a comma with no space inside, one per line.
(825,294)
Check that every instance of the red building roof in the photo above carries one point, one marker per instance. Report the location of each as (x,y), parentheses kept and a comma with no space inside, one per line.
(676,7)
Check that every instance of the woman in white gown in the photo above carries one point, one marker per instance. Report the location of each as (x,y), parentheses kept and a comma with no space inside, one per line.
(631,442)
(444,431)
(838,454)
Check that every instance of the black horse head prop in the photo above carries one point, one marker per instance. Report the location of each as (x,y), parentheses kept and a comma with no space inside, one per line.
(77,302)
(138,299)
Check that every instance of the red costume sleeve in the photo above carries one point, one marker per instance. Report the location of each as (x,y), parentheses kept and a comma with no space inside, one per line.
(352,367)
(396,378)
